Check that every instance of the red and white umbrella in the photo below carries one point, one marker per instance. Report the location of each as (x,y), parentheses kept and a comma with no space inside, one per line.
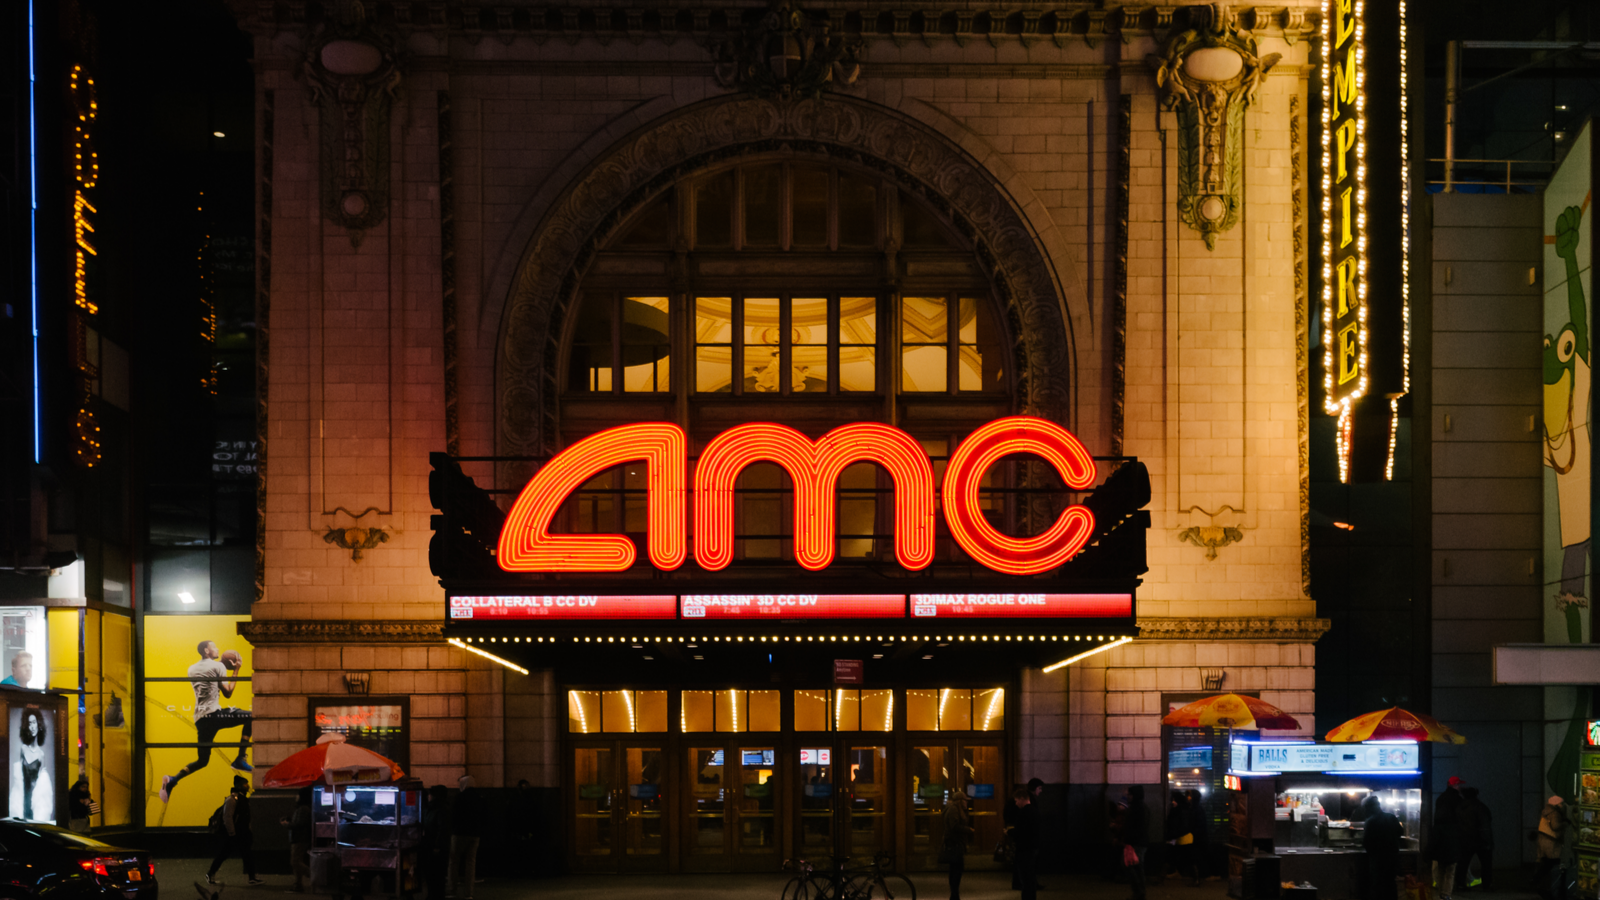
(332,761)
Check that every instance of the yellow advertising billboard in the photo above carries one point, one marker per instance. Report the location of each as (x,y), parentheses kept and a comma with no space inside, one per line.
(197,703)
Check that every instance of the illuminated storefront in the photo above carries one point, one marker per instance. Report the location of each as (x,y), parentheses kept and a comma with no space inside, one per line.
(790,464)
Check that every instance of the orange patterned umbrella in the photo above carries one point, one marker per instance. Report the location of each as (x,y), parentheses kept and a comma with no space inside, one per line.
(332,761)
(1231,711)
(1395,724)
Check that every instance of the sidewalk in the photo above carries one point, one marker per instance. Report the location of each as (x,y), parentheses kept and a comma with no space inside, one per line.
(176,874)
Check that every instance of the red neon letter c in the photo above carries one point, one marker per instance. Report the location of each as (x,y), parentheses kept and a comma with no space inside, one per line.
(964,476)
(526,544)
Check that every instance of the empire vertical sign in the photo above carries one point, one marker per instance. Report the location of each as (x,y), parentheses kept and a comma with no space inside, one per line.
(1365,223)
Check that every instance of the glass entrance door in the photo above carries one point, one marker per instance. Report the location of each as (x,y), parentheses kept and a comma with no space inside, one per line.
(868,800)
(617,799)
(936,770)
(732,811)
(815,839)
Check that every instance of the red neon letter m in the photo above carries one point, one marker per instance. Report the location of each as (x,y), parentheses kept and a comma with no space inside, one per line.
(815,468)
(526,544)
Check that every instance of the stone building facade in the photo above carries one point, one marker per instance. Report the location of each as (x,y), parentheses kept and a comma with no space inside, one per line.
(435,177)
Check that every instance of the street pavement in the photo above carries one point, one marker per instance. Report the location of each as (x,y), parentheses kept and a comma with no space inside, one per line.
(175,876)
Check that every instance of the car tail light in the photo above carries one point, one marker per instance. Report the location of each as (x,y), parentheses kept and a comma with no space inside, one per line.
(100,865)
(151,867)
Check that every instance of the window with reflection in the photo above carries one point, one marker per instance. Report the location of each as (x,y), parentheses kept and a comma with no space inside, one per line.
(624,711)
(955,709)
(621,344)
(730,711)
(949,344)
(844,709)
(786,344)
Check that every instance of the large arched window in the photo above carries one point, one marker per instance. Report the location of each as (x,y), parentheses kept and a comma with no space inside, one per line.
(786,278)
(792,290)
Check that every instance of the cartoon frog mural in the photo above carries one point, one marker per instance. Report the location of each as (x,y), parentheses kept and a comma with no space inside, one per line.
(1567,428)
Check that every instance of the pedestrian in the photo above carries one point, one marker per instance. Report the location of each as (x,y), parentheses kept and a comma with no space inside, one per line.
(466,829)
(1176,831)
(1200,830)
(79,805)
(1134,833)
(957,833)
(1444,847)
(236,836)
(1380,837)
(1477,840)
(302,834)
(436,841)
(1552,835)
(1026,833)
(1008,816)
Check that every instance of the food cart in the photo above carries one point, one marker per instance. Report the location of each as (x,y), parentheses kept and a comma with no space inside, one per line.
(374,832)
(1295,815)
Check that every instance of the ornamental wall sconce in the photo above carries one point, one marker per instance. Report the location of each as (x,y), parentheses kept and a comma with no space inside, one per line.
(356,539)
(787,54)
(1209,74)
(357,682)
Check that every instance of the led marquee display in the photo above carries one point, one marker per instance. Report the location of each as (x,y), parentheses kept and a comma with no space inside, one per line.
(794,606)
(755,607)
(1042,606)
(576,606)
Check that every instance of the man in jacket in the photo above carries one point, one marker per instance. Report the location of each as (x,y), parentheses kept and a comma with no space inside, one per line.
(1134,831)
(1552,834)
(466,829)
(302,834)
(436,841)
(237,835)
(1380,838)
(1026,834)
(1477,839)
(1445,838)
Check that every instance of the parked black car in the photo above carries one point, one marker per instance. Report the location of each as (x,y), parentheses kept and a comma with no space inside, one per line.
(46,861)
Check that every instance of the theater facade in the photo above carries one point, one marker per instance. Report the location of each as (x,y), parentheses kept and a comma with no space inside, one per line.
(750,424)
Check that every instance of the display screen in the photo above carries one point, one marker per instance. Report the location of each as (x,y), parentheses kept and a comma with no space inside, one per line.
(758,757)
(1189,758)
(33,764)
(1040,606)
(379,727)
(819,757)
(574,606)
(794,606)
(24,661)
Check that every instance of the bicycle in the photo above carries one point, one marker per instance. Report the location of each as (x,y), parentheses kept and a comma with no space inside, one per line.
(873,883)
(805,885)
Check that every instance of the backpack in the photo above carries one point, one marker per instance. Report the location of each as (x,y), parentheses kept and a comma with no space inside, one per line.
(215,824)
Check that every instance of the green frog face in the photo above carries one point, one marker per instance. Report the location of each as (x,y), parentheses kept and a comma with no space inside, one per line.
(1560,363)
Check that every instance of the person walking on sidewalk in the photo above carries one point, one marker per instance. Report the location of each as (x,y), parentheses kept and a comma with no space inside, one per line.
(236,835)
(79,805)
(1381,837)
(1026,834)
(1477,840)
(302,834)
(1445,839)
(466,829)
(957,832)
(1134,833)
(1552,835)
(436,841)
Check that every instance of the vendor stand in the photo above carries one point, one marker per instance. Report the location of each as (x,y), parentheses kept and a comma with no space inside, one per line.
(1295,812)
(368,817)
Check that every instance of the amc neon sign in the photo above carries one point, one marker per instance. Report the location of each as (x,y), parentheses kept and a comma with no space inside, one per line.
(526,544)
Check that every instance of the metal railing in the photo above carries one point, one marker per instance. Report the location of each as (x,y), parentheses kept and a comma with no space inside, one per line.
(1477,171)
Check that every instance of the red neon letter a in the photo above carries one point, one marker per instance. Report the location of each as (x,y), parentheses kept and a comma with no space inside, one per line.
(815,468)
(526,544)
(964,475)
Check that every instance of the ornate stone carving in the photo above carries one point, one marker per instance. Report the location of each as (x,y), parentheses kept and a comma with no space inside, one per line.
(1119,311)
(263,329)
(341,631)
(1248,628)
(447,274)
(356,539)
(1297,183)
(1211,537)
(353,74)
(789,53)
(643,165)
(358,682)
(1210,73)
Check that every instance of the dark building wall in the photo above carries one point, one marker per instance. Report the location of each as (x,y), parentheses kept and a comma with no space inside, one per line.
(1487,495)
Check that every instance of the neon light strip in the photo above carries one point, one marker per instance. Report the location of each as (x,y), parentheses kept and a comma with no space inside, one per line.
(487,655)
(1086,654)
(33,232)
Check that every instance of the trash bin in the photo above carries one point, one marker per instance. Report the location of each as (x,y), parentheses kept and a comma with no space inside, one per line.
(324,870)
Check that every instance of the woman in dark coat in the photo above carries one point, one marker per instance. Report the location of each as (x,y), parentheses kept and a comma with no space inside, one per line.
(1380,837)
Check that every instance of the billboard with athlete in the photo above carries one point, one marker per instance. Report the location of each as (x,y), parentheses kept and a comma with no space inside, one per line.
(197,715)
